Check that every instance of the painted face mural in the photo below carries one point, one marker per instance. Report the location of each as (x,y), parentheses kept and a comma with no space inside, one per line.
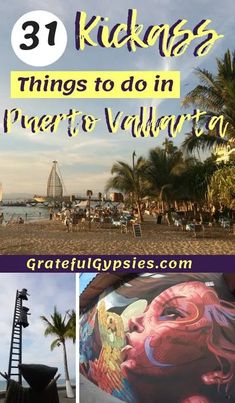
(184,336)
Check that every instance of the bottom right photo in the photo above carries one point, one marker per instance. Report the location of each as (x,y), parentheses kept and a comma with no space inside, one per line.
(157,338)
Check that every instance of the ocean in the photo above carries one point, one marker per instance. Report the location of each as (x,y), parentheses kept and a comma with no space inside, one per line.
(28,213)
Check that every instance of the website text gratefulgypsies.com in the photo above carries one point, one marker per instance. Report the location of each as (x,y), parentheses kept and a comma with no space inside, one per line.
(112,264)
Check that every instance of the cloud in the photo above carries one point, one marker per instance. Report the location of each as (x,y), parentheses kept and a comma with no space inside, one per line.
(30,171)
(88,158)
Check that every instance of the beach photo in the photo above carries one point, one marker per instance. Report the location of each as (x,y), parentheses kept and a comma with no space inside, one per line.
(167,203)
(38,334)
(157,338)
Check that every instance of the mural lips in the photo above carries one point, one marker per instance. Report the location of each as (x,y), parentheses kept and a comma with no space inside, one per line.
(181,328)
(124,352)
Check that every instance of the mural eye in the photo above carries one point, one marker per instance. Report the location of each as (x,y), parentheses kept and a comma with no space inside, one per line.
(171,313)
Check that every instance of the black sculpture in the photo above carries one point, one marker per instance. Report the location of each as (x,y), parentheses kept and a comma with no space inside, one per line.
(42,382)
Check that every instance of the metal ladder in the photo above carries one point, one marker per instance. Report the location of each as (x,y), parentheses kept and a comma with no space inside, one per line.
(15,357)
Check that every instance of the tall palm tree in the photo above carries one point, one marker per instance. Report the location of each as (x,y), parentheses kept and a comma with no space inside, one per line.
(60,327)
(195,180)
(205,142)
(130,180)
(221,188)
(165,165)
(71,334)
(215,95)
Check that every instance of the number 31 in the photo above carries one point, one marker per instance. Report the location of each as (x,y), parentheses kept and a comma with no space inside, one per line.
(33,35)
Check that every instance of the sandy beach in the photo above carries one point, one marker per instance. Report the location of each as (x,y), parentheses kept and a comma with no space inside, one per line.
(50,237)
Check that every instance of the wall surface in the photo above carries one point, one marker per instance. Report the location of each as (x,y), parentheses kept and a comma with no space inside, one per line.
(162,338)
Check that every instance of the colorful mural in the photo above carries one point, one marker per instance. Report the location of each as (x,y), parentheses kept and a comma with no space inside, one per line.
(162,339)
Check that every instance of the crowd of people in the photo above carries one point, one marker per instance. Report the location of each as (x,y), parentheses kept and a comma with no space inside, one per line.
(197,214)
(17,220)
(77,218)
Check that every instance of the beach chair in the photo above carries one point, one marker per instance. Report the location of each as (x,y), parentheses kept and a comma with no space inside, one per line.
(124,227)
(107,222)
(75,222)
(231,228)
(82,225)
(182,224)
(208,226)
(116,223)
(198,229)
(97,222)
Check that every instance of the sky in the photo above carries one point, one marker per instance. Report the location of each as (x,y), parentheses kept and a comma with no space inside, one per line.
(46,291)
(85,161)
(84,280)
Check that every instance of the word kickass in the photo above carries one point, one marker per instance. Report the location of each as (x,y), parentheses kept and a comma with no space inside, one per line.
(172,40)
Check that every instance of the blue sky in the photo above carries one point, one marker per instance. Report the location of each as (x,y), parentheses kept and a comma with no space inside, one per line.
(84,280)
(85,160)
(46,291)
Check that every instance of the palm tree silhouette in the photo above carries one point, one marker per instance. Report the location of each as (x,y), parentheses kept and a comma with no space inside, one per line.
(129,180)
(164,166)
(215,95)
(62,328)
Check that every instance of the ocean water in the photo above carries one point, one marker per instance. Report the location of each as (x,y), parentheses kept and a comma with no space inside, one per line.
(30,213)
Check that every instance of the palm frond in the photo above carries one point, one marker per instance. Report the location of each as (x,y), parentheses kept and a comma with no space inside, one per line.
(55,343)
(215,94)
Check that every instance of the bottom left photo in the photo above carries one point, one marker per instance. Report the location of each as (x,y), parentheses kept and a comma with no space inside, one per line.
(38,336)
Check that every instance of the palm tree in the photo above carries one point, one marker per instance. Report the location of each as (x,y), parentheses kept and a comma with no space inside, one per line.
(165,165)
(71,334)
(221,189)
(215,95)
(61,328)
(205,142)
(130,180)
(195,180)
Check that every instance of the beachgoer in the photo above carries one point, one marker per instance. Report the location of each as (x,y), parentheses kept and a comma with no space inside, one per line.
(67,220)
(51,214)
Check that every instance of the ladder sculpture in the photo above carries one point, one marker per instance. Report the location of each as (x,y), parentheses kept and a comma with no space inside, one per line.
(19,320)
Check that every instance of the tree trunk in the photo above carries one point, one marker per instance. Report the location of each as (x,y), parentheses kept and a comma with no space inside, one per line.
(69,390)
(139,211)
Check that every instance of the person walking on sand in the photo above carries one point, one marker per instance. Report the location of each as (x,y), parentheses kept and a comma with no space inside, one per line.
(51,214)
(67,220)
